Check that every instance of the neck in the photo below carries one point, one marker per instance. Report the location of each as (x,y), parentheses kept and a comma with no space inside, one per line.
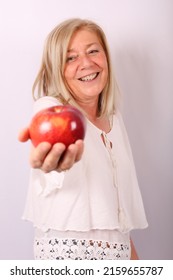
(102,123)
(90,108)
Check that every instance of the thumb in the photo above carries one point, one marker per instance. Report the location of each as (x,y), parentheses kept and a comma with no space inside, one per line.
(23,135)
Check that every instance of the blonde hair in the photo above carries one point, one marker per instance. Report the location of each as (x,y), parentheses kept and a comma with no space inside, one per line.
(50,78)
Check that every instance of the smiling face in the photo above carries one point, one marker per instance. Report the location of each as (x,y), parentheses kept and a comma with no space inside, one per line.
(86,68)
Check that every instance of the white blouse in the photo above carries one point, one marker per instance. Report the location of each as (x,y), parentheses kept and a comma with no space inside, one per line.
(100,192)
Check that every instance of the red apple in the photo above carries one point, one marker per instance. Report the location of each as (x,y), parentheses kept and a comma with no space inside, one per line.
(64,124)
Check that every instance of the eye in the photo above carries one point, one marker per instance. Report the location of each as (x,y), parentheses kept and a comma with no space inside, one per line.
(94,51)
(71,58)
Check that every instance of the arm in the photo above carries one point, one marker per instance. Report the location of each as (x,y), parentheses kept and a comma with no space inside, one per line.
(134,255)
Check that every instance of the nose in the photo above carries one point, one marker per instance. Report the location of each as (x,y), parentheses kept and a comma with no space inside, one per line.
(85,61)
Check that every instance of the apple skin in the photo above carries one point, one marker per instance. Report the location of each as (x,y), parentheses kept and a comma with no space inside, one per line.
(62,123)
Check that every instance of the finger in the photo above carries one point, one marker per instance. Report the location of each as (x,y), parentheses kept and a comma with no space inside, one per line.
(80,144)
(23,135)
(52,158)
(38,154)
(68,159)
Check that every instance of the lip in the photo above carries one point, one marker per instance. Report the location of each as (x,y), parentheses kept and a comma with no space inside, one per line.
(89,77)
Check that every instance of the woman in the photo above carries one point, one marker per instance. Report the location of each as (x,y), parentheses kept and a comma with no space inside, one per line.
(83,205)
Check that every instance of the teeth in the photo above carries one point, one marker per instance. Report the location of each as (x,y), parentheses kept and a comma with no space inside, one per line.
(89,77)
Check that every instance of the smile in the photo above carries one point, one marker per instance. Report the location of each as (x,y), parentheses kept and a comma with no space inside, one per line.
(89,77)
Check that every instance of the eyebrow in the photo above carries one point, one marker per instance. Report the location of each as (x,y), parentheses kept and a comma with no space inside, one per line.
(88,45)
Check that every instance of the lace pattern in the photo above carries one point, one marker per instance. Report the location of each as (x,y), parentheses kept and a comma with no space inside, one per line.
(77,249)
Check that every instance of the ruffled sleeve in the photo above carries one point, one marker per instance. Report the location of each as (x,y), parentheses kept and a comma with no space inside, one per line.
(45,102)
(46,183)
(131,213)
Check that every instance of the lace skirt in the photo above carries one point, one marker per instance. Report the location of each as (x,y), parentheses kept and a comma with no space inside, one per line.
(79,249)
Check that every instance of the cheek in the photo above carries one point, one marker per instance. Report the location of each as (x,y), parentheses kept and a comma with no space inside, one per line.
(105,64)
(105,69)
(102,62)
(69,72)
(69,77)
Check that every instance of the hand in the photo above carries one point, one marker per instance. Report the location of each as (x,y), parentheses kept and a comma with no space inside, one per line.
(56,157)
(49,157)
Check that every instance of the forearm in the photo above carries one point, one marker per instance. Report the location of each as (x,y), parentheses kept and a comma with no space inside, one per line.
(134,255)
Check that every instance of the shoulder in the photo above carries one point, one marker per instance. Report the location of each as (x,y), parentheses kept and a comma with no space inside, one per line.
(118,124)
(117,117)
(45,102)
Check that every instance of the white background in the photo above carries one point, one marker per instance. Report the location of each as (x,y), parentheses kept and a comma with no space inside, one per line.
(140,33)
